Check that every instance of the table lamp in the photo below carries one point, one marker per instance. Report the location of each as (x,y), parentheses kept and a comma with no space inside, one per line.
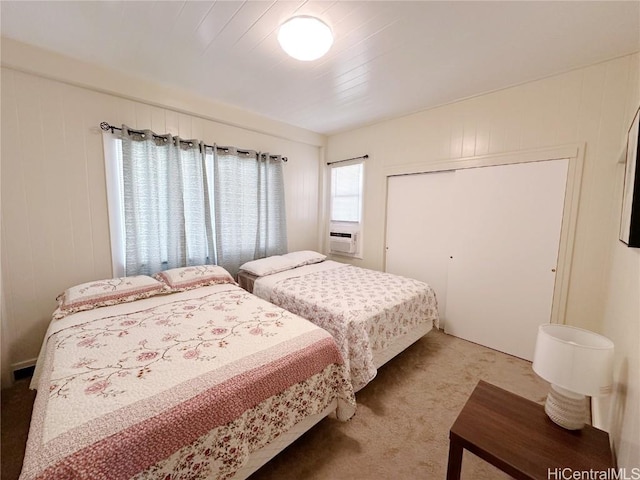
(576,362)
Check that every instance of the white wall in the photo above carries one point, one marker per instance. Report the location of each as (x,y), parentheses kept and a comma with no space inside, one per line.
(5,362)
(621,323)
(585,105)
(55,230)
(590,106)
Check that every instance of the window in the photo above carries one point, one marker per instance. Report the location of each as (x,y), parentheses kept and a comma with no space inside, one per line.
(346,193)
(345,210)
(176,203)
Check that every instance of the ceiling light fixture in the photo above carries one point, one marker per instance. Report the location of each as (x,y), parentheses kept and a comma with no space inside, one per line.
(305,38)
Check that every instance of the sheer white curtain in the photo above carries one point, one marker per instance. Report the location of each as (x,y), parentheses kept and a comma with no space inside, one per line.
(174,203)
(167,217)
(249,206)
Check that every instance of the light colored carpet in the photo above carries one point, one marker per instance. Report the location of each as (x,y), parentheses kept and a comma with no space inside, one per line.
(401,428)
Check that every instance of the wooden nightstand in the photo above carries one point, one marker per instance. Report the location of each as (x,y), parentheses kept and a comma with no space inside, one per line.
(515,435)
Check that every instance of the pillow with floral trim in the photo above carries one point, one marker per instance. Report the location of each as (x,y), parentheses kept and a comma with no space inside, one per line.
(102,293)
(305,257)
(186,278)
(268,265)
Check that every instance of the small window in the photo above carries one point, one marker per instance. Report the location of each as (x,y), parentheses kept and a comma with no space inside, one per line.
(345,210)
(346,193)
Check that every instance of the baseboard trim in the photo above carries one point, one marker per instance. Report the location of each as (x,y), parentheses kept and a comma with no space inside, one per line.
(23,369)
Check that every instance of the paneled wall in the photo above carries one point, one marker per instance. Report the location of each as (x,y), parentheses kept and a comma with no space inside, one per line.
(582,106)
(55,230)
(621,322)
(591,106)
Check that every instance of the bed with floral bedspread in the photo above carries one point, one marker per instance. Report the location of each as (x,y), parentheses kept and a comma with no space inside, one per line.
(366,311)
(179,385)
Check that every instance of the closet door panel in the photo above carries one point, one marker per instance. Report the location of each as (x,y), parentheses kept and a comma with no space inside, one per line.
(505,241)
(419,226)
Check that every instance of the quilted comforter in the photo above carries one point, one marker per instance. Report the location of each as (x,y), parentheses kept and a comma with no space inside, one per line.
(185,385)
(365,310)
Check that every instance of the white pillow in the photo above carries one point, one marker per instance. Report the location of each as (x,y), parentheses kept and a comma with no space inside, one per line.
(269,265)
(305,257)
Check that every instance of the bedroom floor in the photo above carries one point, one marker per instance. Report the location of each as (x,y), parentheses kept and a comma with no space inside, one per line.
(401,428)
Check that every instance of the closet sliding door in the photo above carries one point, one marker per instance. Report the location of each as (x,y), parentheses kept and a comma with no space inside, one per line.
(419,229)
(487,241)
(505,251)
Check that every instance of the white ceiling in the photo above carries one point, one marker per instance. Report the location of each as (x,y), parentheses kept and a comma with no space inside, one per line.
(389,58)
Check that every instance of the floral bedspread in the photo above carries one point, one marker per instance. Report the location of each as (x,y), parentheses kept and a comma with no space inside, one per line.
(364,310)
(185,385)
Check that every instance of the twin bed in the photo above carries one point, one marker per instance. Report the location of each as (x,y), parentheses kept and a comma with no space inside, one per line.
(372,315)
(187,375)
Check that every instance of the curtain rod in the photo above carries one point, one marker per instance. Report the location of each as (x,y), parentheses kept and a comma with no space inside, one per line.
(106,127)
(364,157)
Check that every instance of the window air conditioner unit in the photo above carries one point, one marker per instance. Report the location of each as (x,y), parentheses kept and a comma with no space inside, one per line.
(342,242)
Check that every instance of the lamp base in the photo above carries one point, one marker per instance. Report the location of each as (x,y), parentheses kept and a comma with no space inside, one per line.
(565,408)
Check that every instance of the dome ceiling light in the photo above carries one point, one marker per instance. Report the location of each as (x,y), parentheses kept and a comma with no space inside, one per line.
(305,38)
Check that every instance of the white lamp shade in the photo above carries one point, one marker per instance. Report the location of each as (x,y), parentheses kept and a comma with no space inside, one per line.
(575,359)
(305,38)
